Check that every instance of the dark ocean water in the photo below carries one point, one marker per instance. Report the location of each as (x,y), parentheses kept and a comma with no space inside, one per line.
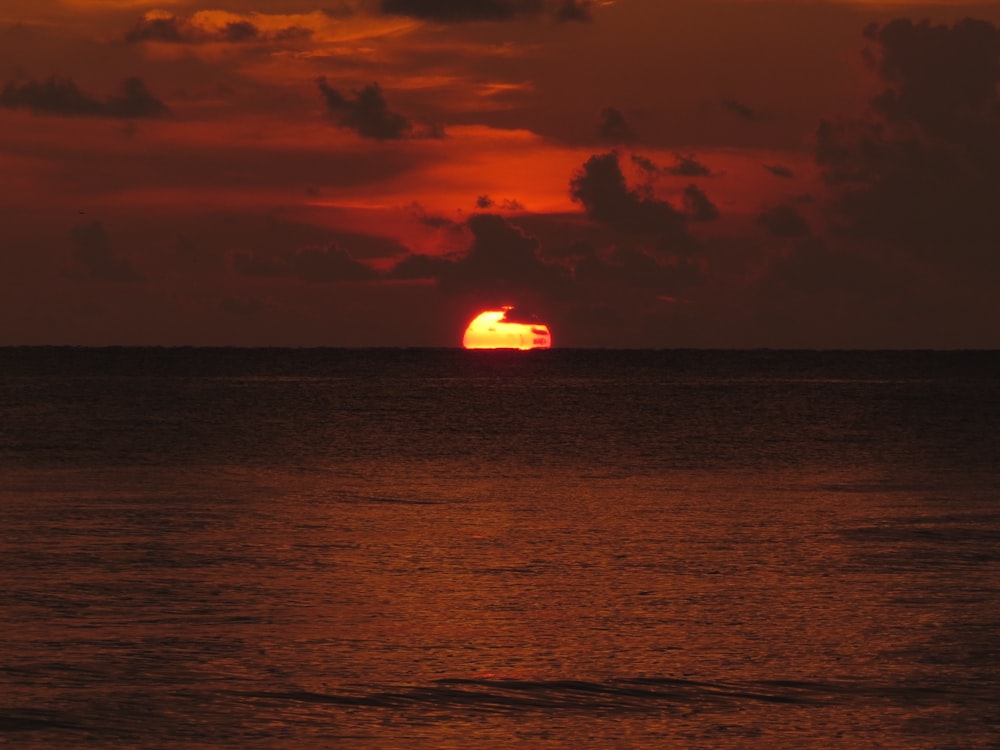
(436,548)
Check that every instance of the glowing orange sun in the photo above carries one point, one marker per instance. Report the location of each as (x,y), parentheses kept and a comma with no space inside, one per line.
(498,329)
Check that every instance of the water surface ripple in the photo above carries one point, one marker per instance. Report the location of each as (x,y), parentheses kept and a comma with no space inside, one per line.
(439,549)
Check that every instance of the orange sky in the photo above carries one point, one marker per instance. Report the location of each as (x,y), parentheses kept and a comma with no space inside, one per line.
(374,172)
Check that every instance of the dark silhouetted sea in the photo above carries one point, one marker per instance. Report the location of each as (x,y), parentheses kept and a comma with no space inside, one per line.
(429,549)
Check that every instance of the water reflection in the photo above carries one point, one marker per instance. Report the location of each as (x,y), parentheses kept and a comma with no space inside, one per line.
(670,562)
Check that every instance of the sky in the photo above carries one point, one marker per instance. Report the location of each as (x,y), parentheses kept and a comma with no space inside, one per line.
(633,173)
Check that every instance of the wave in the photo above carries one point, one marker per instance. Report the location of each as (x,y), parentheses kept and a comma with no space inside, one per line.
(635,694)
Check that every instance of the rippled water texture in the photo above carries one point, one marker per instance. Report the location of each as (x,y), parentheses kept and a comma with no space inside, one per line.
(434,549)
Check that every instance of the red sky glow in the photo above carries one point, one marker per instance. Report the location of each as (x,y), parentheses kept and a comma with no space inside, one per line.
(634,173)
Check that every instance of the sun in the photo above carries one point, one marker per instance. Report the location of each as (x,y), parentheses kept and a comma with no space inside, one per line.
(503,329)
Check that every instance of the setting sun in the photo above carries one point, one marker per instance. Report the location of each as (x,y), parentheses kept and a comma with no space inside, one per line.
(501,329)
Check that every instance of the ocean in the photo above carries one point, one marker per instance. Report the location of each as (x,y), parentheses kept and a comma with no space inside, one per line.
(318,548)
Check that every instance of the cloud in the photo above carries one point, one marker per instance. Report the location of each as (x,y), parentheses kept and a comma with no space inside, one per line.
(367,113)
(697,206)
(436,222)
(574,10)
(501,259)
(613,127)
(452,11)
(421,266)
(742,110)
(484,202)
(341,9)
(684,166)
(784,221)
(313,264)
(840,297)
(518,315)
(650,248)
(645,164)
(502,262)
(921,172)
(208,27)
(635,268)
(779,171)
(458,11)
(93,252)
(814,268)
(688,166)
(939,77)
(61,96)
(329,264)
(600,186)
(156,28)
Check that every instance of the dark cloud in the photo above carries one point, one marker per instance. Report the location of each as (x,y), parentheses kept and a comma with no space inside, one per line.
(363,245)
(683,166)
(191,256)
(61,96)
(921,172)
(341,9)
(366,113)
(421,266)
(501,259)
(451,11)
(779,171)
(239,31)
(261,266)
(434,130)
(740,109)
(814,268)
(314,264)
(650,245)
(289,33)
(484,202)
(636,268)
(784,221)
(329,264)
(457,11)
(94,254)
(697,206)
(438,222)
(501,262)
(645,164)
(574,10)
(183,30)
(839,297)
(162,29)
(519,315)
(613,127)
(600,186)
(944,79)
(688,166)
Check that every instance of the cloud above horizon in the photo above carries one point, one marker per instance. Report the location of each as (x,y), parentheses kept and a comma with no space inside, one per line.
(313,264)
(641,180)
(601,189)
(462,11)
(61,96)
(95,256)
(366,112)
(921,171)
